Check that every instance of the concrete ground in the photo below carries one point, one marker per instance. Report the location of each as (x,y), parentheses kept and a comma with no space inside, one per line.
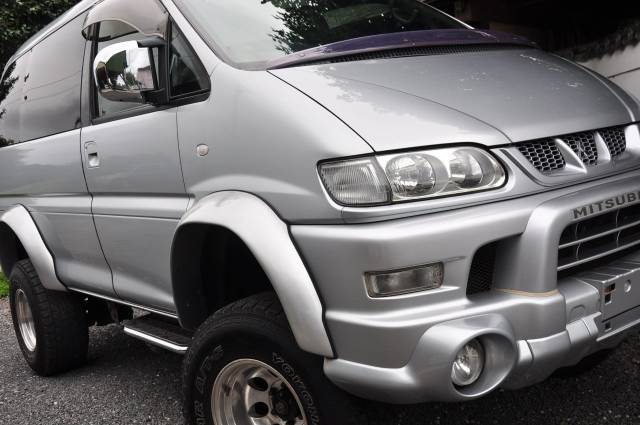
(128,383)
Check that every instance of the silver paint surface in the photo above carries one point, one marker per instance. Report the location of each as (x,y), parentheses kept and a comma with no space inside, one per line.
(407,102)
(273,154)
(45,176)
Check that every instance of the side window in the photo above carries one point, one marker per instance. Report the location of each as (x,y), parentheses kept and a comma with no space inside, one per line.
(11,101)
(110,33)
(53,83)
(186,73)
(134,70)
(8,82)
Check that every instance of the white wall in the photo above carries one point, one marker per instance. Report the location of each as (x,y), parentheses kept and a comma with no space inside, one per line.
(623,67)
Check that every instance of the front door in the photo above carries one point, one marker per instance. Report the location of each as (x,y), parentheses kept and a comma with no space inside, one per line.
(132,167)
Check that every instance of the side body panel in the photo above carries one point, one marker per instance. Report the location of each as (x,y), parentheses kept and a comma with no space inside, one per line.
(265,138)
(41,166)
(46,177)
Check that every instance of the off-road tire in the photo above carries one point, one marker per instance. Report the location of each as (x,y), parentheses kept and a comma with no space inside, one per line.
(60,324)
(256,328)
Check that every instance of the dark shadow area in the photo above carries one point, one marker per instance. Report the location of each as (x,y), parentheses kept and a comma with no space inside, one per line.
(578,29)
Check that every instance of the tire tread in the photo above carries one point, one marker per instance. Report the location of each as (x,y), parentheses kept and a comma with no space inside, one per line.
(63,332)
(264,314)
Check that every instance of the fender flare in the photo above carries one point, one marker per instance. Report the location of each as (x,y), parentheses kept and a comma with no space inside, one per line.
(18,219)
(268,238)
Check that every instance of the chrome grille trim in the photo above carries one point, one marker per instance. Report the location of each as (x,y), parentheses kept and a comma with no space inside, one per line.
(546,157)
(600,236)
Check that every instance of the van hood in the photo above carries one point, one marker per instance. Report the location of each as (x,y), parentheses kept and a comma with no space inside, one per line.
(492,96)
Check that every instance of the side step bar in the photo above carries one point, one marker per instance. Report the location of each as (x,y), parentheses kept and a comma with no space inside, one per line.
(160,332)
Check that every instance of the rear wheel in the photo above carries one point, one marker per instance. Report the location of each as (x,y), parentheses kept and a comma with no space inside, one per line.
(50,326)
(245,368)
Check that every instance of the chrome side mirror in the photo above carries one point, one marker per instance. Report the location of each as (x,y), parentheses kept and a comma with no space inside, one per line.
(123,72)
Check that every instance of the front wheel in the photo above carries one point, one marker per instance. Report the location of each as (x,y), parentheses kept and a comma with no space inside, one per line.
(244,368)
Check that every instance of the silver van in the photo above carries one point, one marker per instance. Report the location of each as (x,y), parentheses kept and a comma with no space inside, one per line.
(316,202)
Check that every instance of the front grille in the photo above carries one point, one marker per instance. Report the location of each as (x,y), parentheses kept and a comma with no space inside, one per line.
(546,156)
(584,145)
(592,239)
(615,140)
(481,272)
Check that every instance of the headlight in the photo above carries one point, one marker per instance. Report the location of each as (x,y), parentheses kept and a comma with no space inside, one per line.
(356,182)
(411,176)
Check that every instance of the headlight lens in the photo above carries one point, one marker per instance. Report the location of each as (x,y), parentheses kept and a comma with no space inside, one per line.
(411,176)
(466,170)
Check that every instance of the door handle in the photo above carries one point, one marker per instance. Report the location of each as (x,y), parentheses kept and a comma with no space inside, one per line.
(91,150)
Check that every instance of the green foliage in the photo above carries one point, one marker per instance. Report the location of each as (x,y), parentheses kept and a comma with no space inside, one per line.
(4,286)
(20,19)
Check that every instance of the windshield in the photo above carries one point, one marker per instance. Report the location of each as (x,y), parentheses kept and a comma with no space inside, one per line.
(254,32)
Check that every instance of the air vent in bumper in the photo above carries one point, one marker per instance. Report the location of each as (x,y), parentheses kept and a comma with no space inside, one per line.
(482,269)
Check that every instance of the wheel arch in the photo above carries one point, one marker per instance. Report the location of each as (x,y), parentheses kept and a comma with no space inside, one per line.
(249,221)
(11,249)
(20,239)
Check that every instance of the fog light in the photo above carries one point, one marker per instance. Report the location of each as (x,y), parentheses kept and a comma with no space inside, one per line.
(405,281)
(468,364)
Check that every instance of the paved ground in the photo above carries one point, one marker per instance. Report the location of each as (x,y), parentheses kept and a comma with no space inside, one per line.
(127,383)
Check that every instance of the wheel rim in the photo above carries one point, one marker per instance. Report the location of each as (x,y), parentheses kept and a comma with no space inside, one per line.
(250,392)
(25,320)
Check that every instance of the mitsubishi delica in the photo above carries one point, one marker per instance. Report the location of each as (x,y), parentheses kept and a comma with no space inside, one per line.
(316,202)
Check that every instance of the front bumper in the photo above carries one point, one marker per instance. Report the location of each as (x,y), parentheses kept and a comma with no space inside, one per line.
(400,349)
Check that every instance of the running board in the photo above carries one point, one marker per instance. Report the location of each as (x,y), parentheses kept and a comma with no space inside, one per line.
(160,332)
